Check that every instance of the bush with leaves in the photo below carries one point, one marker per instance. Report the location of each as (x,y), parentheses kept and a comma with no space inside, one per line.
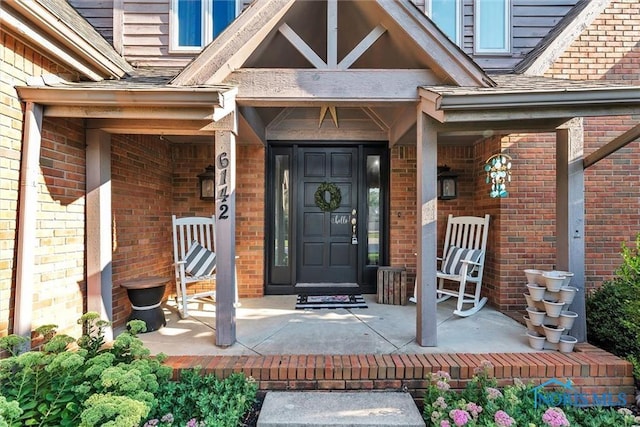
(198,399)
(91,385)
(481,403)
(613,310)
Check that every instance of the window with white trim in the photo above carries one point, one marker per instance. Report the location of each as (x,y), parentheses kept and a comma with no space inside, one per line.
(447,15)
(195,23)
(492,26)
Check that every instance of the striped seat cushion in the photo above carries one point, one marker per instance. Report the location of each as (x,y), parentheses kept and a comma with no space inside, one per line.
(199,261)
(452,264)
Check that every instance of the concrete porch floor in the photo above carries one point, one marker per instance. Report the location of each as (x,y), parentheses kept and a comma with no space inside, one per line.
(373,349)
(271,325)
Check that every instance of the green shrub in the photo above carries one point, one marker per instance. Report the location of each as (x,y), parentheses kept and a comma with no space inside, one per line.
(613,310)
(92,385)
(204,400)
(482,404)
(117,384)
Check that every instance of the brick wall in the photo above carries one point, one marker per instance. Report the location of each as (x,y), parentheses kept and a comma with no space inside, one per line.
(608,50)
(250,227)
(58,279)
(191,160)
(141,172)
(473,200)
(591,370)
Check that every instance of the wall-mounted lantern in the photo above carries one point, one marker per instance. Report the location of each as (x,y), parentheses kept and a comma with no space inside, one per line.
(207,181)
(447,183)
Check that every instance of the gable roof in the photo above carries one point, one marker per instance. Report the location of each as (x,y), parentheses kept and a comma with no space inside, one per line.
(235,45)
(57,28)
(538,61)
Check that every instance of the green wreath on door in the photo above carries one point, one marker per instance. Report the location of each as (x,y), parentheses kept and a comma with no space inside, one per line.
(334,200)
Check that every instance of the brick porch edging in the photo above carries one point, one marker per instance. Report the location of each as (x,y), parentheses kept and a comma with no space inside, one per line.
(590,369)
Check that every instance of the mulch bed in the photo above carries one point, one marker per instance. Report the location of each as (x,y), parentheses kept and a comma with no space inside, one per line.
(251,418)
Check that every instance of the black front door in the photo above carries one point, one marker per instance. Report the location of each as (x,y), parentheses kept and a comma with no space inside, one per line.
(326,216)
(327,207)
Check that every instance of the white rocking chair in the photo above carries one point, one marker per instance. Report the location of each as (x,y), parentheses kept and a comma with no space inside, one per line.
(194,257)
(465,246)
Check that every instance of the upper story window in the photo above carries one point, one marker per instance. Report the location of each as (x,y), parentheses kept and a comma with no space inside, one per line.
(447,14)
(194,23)
(492,26)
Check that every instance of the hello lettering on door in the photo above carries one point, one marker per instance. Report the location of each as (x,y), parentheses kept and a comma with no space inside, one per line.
(340,219)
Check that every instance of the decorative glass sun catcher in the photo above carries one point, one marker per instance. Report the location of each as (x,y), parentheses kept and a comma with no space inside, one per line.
(498,168)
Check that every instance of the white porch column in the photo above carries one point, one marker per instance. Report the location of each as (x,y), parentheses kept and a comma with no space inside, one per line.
(570,211)
(99,247)
(225,238)
(30,166)
(427,166)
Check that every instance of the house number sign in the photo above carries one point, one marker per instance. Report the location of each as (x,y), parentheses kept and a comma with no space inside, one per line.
(223,185)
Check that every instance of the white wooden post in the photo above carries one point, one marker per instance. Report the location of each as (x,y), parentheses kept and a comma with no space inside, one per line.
(427,165)
(570,208)
(99,247)
(31,141)
(225,238)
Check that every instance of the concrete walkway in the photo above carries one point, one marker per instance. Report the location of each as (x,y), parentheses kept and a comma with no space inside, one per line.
(271,325)
(357,409)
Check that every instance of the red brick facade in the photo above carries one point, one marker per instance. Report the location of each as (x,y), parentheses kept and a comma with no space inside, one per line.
(591,370)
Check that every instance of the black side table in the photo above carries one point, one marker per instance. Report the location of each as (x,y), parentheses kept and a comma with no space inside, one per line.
(146,295)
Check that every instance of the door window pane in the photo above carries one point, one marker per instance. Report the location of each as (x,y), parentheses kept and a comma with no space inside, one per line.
(373,210)
(446,14)
(492,20)
(281,213)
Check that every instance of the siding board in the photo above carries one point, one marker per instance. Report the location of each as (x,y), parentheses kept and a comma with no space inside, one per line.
(145,32)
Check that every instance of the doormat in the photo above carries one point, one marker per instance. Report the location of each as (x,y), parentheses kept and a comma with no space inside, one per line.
(330,301)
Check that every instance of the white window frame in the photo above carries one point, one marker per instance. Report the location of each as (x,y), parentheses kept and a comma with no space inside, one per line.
(458,18)
(207,26)
(507,31)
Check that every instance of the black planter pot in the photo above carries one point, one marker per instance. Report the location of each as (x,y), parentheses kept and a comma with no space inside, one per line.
(146,296)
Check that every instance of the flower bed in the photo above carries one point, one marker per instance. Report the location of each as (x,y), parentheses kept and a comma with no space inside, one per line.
(89,382)
(483,404)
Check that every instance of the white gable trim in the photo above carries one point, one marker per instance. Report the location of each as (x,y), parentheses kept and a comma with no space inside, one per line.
(233,47)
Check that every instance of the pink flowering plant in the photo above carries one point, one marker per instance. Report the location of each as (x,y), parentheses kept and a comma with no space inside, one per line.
(482,403)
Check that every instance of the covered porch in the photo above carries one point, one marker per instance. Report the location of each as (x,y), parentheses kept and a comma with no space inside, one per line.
(208,106)
(272,325)
(374,349)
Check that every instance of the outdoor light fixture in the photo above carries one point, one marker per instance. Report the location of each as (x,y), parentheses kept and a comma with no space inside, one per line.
(498,168)
(207,183)
(447,183)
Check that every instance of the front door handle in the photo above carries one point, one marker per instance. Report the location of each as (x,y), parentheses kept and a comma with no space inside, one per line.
(354,222)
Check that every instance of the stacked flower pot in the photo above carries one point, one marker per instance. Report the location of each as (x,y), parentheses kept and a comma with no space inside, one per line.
(548,319)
